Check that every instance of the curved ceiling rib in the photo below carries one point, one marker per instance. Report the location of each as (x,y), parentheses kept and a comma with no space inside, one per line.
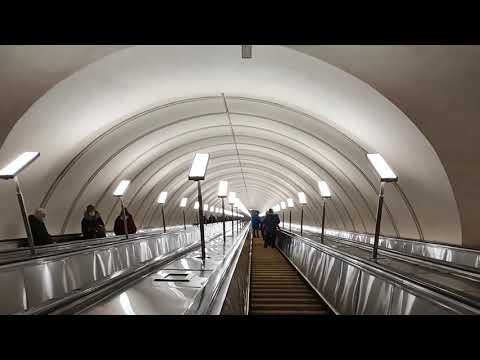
(299,160)
(276,179)
(137,116)
(292,151)
(193,148)
(191,118)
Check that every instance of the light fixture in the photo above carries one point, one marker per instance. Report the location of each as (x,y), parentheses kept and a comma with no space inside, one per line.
(197,173)
(246,51)
(212,209)
(162,198)
(290,205)
(222,194)
(381,167)
(324,189)
(231,201)
(302,199)
(17,165)
(222,189)
(199,167)
(183,202)
(10,172)
(283,205)
(119,191)
(386,175)
(205,207)
(325,194)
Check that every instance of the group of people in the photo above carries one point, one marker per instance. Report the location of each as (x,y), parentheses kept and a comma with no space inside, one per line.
(268,226)
(92,224)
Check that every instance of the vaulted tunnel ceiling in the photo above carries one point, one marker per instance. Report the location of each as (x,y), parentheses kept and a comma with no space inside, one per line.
(141,113)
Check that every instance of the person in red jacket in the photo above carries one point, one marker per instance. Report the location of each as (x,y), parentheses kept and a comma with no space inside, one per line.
(119,227)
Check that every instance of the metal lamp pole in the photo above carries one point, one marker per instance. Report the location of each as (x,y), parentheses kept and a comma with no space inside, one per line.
(379,220)
(124,217)
(163,219)
(184,223)
(323,220)
(301,223)
(223,219)
(21,203)
(200,215)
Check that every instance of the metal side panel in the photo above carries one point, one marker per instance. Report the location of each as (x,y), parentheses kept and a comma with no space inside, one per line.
(46,282)
(14,297)
(406,303)
(80,272)
(374,296)
(346,291)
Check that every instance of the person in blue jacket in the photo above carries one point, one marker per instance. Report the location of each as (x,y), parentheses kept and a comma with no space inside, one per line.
(255,224)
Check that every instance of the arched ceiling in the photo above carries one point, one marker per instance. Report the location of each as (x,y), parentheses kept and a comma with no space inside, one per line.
(142,112)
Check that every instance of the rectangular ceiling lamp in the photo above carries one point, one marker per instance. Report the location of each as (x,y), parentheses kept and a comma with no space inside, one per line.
(212,209)
(162,198)
(231,198)
(196,206)
(183,203)
(121,188)
(283,205)
(222,189)
(324,189)
(290,203)
(199,167)
(246,51)
(381,167)
(17,165)
(302,199)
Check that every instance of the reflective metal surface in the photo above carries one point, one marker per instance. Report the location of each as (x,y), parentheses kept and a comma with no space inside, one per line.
(197,296)
(457,256)
(30,285)
(351,286)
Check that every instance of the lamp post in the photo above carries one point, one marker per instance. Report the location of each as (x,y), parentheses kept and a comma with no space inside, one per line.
(290,206)
(283,206)
(162,199)
(325,194)
(197,173)
(222,194)
(386,175)
(10,172)
(302,199)
(231,201)
(183,204)
(119,191)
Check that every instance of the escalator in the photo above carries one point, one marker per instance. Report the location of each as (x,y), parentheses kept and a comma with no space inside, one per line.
(277,288)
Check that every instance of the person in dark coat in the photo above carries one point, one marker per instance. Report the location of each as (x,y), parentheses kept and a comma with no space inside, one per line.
(119,227)
(211,219)
(271,222)
(39,230)
(92,224)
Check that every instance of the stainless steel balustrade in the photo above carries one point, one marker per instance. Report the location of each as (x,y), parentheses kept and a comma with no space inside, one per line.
(35,283)
(350,286)
(455,256)
(19,254)
(202,294)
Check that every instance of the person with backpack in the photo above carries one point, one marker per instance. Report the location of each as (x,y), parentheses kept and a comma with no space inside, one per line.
(119,227)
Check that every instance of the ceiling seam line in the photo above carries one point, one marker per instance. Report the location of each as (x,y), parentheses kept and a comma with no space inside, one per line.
(227,112)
